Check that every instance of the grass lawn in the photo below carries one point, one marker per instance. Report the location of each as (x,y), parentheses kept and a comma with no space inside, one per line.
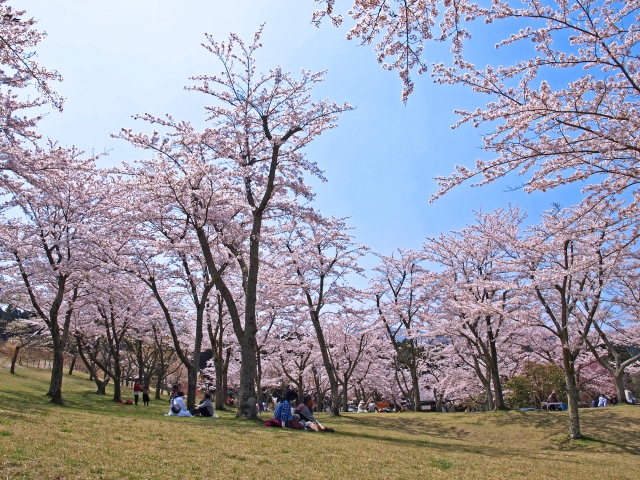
(90,437)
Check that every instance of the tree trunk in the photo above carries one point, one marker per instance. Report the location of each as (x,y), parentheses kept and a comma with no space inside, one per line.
(57,372)
(159,386)
(489,395)
(194,368)
(572,394)
(225,378)
(117,388)
(15,357)
(140,362)
(326,360)
(220,396)
(259,378)
(192,382)
(345,396)
(622,398)
(495,373)
(73,364)
(247,394)
(316,380)
(102,384)
(416,389)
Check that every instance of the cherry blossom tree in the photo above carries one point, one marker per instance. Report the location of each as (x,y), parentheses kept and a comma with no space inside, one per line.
(353,346)
(566,263)
(217,324)
(400,29)
(580,127)
(401,290)
(322,256)
(45,247)
(575,130)
(20,70)
(618,330)
(259,124)
(114,307)
(24,334)
(478,289)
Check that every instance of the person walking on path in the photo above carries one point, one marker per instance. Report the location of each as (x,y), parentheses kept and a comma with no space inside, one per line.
(136,391)
(145,395)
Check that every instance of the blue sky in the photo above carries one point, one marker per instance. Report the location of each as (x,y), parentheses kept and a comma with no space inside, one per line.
(121,58)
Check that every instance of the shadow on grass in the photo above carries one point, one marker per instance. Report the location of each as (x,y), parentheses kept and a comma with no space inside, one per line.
(600,428)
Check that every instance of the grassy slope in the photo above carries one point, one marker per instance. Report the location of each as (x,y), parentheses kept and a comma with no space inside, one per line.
(90,437)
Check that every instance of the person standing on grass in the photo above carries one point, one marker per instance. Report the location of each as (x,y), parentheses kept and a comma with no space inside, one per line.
(145,395)
(136,391)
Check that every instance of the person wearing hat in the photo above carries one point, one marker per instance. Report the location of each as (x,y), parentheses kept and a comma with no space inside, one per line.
(283,413)
(361,407)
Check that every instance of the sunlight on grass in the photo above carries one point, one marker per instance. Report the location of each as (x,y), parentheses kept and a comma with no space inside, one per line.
(91,437)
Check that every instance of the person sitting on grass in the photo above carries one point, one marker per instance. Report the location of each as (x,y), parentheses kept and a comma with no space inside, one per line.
(305,412)
(178,407)
(205,408)
(603,402)
(282,412)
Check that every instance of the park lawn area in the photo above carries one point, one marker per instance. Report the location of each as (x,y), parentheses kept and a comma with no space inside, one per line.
(91,437)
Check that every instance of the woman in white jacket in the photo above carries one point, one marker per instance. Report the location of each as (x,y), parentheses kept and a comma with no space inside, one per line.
(178,407)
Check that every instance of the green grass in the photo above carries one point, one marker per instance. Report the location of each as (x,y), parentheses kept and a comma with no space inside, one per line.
(90,437)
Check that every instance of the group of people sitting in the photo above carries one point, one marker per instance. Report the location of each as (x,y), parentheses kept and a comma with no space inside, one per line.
(603,401)
(179,407)
(302,419)
(364,408)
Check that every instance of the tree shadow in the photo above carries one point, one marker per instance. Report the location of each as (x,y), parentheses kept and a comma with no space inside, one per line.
(600,427)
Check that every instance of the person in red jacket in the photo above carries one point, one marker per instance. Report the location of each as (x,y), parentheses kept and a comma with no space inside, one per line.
(136,391)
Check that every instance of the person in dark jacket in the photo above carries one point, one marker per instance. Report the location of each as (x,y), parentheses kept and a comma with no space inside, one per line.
(305,411)
(145,395)
(205,408)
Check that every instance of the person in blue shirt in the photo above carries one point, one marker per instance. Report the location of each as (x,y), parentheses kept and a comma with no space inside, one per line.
(283,413)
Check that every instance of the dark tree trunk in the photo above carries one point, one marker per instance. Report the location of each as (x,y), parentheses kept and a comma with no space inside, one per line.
(140,362)
(319,394)
(57,372)
(622,398)
(248,371)
(73,364)
(192,383)
(15,357)
(225,378)
(259,378)
(572,394)
(117,389)
(495,373)
(158,387)
(102,384)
